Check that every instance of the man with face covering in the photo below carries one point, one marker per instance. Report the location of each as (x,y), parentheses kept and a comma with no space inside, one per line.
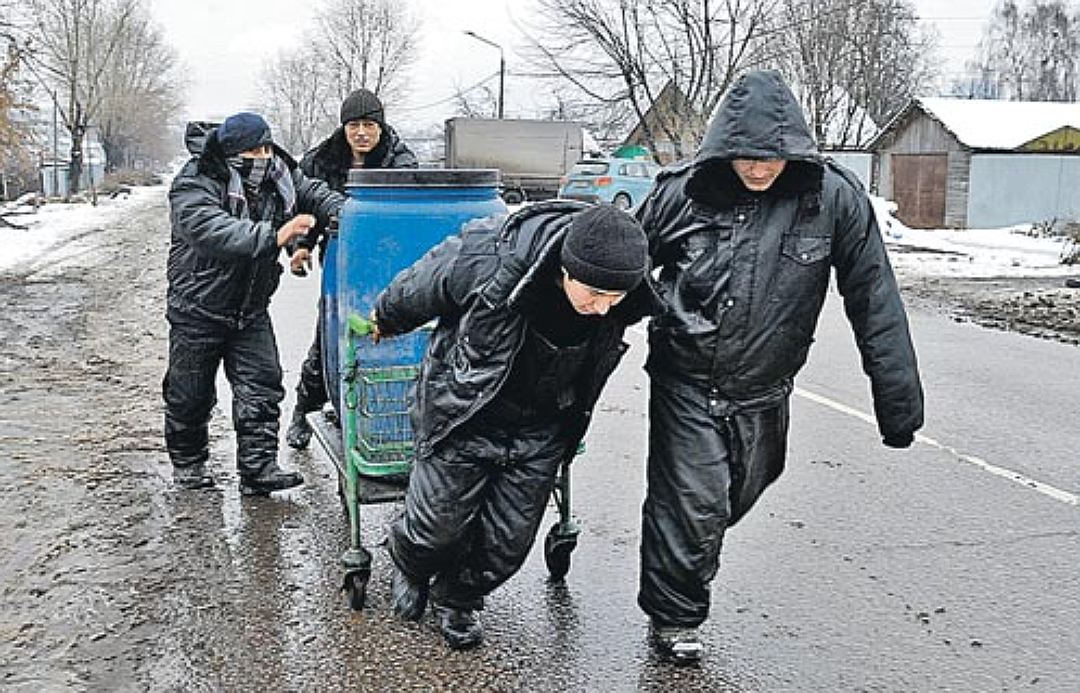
(234,205)
(746,236)
(364,140)
(531,311)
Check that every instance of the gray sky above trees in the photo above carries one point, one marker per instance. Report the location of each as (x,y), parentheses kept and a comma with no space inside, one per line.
(224,45)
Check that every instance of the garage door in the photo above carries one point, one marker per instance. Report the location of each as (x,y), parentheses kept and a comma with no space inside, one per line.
(919,182)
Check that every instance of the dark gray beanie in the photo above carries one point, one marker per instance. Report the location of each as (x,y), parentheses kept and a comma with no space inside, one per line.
(362,105)
(606,249)
(242,132)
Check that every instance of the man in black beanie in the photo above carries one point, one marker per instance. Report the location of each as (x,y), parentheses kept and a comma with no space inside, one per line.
(364,140)
(234,205)
(531,311)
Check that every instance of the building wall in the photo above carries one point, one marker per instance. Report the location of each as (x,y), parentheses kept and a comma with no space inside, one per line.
(858,163)
(92,174)
(956,195)
(1008,189)
(921,134)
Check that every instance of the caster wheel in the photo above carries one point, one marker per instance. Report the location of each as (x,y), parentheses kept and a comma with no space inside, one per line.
(356,589)
(557,550)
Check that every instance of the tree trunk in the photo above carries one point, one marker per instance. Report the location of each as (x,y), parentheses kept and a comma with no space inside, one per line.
(75,167)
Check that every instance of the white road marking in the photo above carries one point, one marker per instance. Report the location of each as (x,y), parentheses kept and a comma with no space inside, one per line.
(1017,477)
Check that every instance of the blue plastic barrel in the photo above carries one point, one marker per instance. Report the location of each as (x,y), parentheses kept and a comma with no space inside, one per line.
(391,219)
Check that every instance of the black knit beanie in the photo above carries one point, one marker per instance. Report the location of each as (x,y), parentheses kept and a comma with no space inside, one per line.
(362,105)
(606,249)
(242,132)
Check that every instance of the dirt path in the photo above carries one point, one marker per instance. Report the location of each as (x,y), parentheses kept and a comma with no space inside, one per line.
(79,365)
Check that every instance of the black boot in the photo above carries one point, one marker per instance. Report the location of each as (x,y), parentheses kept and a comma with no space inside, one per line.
(192,476)
(679,645)
(271,478)
(409,597)
(299,433)
(460,628)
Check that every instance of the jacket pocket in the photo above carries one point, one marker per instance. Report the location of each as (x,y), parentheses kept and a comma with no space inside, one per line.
(806,250)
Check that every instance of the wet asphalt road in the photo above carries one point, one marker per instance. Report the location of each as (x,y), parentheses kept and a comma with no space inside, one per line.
(862,569)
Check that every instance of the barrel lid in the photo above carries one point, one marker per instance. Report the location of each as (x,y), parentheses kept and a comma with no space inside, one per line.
(423,177)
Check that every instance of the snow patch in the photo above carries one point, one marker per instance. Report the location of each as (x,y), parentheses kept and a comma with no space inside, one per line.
(55,222)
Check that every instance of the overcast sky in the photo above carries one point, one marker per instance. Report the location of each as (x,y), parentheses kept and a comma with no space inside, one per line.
(225,43)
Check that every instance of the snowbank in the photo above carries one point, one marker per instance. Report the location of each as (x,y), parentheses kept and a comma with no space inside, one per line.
(1011,251)
(56,222)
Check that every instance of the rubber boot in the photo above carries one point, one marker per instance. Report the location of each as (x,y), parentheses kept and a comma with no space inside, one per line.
(460,628)
(299,433)
(272,478)
(409,597)
(679,645)
(192,476)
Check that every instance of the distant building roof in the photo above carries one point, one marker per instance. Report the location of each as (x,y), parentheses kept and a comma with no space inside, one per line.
(990,124)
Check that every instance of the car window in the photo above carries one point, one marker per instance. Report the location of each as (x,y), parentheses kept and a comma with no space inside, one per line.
(589,168)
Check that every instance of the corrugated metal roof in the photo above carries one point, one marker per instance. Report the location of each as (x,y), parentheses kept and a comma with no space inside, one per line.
(985,124)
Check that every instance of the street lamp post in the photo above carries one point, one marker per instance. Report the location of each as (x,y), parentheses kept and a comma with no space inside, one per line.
(502,65)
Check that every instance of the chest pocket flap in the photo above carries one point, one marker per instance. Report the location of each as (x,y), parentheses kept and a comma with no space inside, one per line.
(806,250)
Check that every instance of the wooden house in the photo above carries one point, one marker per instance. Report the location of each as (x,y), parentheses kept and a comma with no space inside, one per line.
(969,163)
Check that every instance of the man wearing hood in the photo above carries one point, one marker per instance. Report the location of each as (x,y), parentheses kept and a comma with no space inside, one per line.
(364,140)
(531,311)
(745,236)
(234,205)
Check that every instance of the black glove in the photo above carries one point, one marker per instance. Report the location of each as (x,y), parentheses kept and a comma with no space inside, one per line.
(899,440)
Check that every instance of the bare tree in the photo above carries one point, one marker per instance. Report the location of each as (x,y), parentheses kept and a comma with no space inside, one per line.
(16,136)
(852,63)
(477,101)
(14,92)
(367,43)
(355,43)
(625,53)
(75,42)
(1030,53)
(1054,37)
(299,100)
(139,94)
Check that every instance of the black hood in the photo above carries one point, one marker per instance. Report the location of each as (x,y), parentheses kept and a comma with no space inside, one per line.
(758,118)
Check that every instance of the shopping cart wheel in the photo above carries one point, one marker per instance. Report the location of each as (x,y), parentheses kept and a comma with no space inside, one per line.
(356,582)
(557,549)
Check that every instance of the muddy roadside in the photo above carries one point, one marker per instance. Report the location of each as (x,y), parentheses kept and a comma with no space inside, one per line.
(1041,307)
(112,579)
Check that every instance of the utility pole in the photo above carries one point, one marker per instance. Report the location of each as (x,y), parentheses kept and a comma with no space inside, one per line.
(502,66)
(55,152)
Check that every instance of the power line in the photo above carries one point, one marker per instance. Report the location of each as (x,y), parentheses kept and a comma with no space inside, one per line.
(450,98)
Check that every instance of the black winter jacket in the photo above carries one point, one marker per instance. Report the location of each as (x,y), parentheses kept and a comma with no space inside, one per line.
(222,267)
(331,159)
(745,274)
(476,285)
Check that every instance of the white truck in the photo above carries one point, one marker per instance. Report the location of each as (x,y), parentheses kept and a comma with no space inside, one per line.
(532,155)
